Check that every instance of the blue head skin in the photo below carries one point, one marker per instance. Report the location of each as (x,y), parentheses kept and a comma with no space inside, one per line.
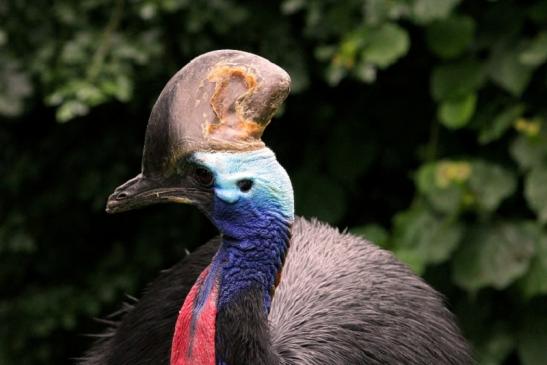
(253,208)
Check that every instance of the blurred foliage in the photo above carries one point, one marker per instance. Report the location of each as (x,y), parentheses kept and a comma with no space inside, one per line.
(419,123)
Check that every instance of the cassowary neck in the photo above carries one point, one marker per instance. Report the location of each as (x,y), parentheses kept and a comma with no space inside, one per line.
(224,317)
(253,262)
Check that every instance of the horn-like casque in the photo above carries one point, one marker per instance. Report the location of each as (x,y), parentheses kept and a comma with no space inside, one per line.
(221,100)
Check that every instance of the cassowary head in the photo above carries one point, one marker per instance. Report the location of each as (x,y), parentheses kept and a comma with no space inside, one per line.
(203,143)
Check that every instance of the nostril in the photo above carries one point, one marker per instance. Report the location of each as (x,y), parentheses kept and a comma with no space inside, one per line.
(121,196)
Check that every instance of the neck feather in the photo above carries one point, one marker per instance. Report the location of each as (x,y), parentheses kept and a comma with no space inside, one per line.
(253,261)
(232,298)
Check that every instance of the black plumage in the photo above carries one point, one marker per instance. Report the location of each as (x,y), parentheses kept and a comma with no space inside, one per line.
(391,317)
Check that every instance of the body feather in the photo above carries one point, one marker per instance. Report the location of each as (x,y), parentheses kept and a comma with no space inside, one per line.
(341,300)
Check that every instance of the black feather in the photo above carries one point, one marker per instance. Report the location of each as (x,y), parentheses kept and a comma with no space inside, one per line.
(144,334)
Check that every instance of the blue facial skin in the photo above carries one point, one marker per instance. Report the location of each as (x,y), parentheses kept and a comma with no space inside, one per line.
(255,224)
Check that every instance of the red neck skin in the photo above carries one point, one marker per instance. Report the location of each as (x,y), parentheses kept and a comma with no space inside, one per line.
(194,338)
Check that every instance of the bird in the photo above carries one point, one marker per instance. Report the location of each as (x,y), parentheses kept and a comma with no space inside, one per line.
(272,288)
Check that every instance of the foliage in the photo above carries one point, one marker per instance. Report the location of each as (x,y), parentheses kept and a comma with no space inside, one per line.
(419,123)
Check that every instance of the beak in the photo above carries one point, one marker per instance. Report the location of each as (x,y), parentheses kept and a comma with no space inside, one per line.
(141,191)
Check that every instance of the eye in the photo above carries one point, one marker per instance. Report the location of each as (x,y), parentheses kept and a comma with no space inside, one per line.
(203,176)
(245,185)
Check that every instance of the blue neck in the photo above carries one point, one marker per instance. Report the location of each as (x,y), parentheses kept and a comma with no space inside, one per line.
(251,255)
(251,258)
(253,261)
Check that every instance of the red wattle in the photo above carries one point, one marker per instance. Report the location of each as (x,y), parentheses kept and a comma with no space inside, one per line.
(199,348)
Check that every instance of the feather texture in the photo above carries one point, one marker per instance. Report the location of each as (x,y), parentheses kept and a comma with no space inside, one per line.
(341,300)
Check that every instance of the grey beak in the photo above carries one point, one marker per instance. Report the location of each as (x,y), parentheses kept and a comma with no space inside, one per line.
(141,191)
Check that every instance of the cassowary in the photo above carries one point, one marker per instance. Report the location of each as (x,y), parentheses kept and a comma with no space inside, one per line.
(272,288)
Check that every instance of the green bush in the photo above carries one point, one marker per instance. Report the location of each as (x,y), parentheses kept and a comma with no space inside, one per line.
(420,124)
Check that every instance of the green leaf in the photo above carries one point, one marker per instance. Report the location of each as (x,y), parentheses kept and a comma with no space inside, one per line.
(534,282)
(450,185)
(506,70)
(15,86)
(426,11)
(450,37)
(412,258)
(421,237)
(335,74)
(324,52)
(503,121)
(70,110)
(530,127)
(456,113)
(385,45)
(490,184)
(372,232)
(535,53)
(532,344)
(3,38)
(440,184)
(380,11)
(494,255)
(365,72)
(292,6)
(121,87)
(456,80)
(529,152)
(535,191)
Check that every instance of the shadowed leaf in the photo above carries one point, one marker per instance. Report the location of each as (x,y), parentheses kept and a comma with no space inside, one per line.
(456,80)
(535,191)
(456,113)
(494,255)
(534,283)
(449,38)
(495,128)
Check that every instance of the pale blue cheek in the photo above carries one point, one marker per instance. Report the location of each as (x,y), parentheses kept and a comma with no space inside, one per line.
(229,196)
(271,191)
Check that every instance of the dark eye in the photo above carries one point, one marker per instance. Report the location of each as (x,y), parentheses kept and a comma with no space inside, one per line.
(245,185)
(203,176)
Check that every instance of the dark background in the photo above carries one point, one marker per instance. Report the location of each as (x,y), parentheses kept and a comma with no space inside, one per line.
(419,124)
